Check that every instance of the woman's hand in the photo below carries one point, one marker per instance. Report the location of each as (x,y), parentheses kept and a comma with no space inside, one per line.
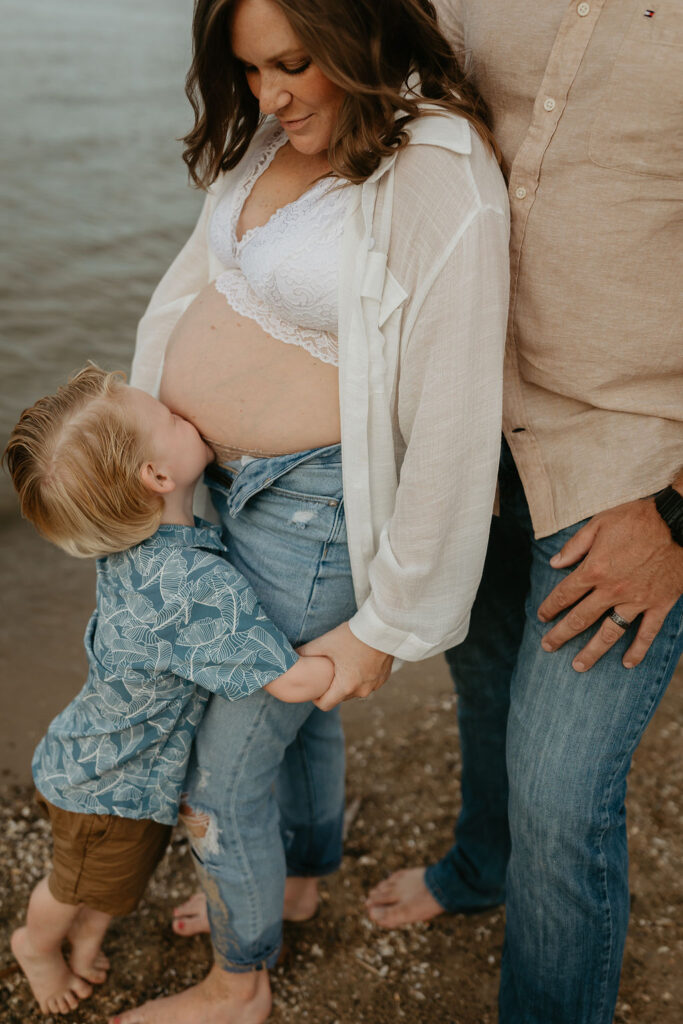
(359,670)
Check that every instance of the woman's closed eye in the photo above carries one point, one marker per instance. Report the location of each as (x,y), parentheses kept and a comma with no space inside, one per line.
(296,69)
(289,69)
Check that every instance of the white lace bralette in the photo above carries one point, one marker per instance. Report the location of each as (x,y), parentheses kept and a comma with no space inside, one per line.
(284,274)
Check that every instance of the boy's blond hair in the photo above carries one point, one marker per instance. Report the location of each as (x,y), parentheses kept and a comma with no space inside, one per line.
(75,461)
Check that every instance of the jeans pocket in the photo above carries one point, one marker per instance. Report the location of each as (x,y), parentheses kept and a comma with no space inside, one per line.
(311,482)
(304,497)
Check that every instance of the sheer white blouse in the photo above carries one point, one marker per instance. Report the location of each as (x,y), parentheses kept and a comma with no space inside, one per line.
(423,298)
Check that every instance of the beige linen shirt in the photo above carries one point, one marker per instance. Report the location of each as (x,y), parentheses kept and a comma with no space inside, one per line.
(587,106)
(423,295)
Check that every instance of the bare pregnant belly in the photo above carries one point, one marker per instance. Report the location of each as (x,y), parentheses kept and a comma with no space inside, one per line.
(243,388)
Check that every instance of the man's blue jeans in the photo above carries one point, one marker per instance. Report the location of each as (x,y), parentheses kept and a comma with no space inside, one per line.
(546,752)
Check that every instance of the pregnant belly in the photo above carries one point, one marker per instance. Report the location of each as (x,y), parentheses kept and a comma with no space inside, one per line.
(243,388)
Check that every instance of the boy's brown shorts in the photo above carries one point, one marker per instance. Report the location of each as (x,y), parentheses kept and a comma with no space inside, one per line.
(102,860)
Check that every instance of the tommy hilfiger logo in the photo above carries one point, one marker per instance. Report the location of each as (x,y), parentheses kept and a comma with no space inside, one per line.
(649,14)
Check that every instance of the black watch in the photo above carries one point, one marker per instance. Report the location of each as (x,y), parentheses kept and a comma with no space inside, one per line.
(669,504)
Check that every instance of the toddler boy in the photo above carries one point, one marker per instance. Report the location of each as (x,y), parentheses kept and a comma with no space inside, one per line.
(105,470)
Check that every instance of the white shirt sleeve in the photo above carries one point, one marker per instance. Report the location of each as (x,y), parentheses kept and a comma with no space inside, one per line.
(430,557)
(181,283)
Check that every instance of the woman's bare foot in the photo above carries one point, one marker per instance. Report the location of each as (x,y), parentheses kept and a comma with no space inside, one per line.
(301,904)
(55,987)
(191,918)
(402,898)
(301,899)
(222,998)
(85,935)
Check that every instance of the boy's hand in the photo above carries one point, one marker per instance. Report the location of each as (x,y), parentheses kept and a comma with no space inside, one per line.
(307,680)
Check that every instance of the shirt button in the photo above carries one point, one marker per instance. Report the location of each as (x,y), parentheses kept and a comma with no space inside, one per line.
(549,103)
(520,192)
(583,9)
(371,243)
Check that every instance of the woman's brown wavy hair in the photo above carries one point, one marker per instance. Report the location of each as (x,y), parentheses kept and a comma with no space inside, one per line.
(368,47)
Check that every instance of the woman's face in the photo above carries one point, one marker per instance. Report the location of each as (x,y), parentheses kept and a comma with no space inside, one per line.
(282,76)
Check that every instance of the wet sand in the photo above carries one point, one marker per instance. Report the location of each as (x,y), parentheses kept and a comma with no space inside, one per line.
(47,600)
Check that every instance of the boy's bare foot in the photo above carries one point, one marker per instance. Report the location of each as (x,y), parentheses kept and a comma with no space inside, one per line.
(55,987)
(402,898)
(94,969)
(85,935)
(222,998)
(301,904)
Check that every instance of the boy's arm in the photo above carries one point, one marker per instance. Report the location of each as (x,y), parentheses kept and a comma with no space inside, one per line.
(307,680)
(231,648)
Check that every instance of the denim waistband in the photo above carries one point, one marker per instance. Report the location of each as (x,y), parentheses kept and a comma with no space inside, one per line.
(246,481)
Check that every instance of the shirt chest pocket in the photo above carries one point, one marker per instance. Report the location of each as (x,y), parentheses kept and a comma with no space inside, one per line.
(639,127)
(384,290)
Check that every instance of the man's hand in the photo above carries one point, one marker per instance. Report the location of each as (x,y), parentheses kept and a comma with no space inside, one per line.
(630,564)
(359,670)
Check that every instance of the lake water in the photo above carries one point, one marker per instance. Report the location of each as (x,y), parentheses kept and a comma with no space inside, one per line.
(94,204)
(94,200)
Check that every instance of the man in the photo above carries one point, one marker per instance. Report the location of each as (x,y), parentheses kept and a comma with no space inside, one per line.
(578,623)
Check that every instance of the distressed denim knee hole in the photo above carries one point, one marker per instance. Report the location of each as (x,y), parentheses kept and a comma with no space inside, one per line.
(202,830)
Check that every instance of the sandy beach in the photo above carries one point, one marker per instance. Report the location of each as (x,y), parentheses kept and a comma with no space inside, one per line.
(96,95)
(403,772)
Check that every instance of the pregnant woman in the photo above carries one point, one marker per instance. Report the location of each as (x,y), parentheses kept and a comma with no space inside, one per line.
(334,328)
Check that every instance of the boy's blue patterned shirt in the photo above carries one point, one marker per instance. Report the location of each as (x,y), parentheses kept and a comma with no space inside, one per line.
(174,620)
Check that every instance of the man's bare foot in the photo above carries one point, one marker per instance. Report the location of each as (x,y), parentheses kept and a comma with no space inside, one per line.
(222,998)
(402,898)
(85,935)
(301,904)
(55,987)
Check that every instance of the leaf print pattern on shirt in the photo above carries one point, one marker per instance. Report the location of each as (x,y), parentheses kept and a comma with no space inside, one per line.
(174,620)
